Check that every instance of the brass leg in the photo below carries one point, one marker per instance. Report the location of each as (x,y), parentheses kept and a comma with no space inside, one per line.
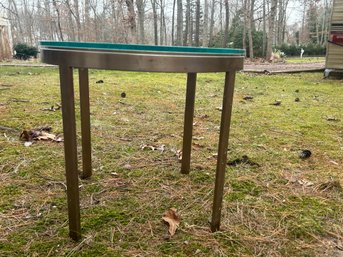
(188,126)
(85,124)
(70,151)
(222,150)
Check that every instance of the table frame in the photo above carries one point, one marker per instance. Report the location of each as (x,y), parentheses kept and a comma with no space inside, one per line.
(69,125)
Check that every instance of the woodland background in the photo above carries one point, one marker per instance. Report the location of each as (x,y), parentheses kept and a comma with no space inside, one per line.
(258,26)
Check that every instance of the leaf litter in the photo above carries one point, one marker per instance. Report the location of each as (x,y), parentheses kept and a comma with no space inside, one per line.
(172,219)
(41,133)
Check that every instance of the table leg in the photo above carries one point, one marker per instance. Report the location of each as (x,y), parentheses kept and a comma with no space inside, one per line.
(188,123)
(85,124)
(222,149)
(70,151)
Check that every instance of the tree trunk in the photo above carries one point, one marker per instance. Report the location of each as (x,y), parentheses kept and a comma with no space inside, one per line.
(205,28)
(264,36)
(173,24)
(271,32)
(132,20)
(71,32)
(250,27)
(86,27)
(227,19)
(141,17)
(197,24)
(244,24)
(153,3)
(302,35)
(188,14)
(179,23)
(211,23)
(58,20)
(77,20)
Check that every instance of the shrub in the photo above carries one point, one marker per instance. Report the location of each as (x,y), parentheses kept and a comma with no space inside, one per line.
(24,51)
(310,49)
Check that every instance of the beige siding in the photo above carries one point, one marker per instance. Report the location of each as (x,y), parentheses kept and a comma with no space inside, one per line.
(334,55)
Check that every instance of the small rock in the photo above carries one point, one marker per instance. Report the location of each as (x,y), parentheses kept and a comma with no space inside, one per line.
(248,97)
(123,95)
(127,167)
(276,103)
(332,119)
(28,143)
(305,154)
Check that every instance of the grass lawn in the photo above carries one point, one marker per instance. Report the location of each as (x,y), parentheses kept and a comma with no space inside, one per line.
(286,206)
(305,59)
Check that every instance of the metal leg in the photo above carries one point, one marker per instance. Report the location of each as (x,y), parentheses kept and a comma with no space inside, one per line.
(70,151)
(222,150)
(85,124)
(188,126)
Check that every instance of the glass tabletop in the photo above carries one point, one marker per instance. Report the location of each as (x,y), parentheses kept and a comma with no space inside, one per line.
(143,48)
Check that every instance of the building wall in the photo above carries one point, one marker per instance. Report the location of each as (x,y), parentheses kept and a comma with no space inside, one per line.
(334,53)
(5,41)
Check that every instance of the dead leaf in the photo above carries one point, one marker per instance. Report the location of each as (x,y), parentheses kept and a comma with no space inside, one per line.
(172,219)
(147,147)
(329,186)
(248,97)
(160,148)
(42,133)
(305,182)
(52,108)
(332,119)
(276,103)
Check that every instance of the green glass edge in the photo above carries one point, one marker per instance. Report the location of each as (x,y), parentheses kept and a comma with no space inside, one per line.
(151,48)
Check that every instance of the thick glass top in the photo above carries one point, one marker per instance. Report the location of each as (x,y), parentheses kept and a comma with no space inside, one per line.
(143,48)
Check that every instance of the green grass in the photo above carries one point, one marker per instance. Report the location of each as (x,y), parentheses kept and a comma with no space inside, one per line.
(305,59)
(275,209)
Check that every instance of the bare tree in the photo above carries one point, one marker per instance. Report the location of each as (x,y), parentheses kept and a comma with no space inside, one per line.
(179,25)
(131,20)
(154,9)
(205,28)
(141,18)
(271,32)
(197,24)
(227,20)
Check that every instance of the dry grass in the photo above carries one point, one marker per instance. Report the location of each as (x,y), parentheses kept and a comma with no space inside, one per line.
(283,207)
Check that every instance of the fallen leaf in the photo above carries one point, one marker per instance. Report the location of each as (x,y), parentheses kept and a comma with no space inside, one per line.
(248,97)
(42,133)
(147,147)
(276,103)
(305,182)
(329,186)
(244,160)
(172,219)
(332,119)
(161,148)
(52,108)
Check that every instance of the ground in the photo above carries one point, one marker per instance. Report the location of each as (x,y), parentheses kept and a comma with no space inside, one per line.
(283,206)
